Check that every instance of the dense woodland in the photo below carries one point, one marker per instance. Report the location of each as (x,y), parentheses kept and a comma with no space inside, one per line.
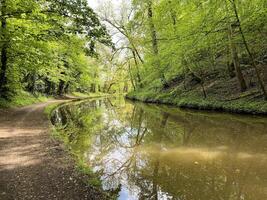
(201,54)
(212,48)
(179,46)
(48,46)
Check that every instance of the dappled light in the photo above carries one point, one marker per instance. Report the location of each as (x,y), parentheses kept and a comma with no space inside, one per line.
(137,92)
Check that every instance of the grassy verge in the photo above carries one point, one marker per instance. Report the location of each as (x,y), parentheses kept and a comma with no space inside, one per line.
(194,100)
(22,98)
(61,135)
(89,95)
(81,166)
(50,108)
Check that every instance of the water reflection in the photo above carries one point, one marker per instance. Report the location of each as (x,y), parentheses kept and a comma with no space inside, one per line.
(157,152)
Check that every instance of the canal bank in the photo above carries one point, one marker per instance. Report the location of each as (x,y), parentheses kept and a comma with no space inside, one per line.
(249,103)
(156,151)
(35,166)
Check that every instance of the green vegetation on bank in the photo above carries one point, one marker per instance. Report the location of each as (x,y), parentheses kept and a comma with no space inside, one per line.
(49,47)
(201,54)
(81,166)
(197,54)
(63,134)
(194,101)
(90,95)
(22,98)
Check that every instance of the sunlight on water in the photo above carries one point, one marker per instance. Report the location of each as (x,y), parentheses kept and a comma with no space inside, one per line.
(158,152)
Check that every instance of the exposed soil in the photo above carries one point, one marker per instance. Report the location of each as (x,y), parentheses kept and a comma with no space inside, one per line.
(32,164)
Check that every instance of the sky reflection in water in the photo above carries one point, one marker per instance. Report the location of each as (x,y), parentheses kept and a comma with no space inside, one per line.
(158,152)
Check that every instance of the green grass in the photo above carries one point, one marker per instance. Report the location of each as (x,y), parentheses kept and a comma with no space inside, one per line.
(82,167)
(50,108)
(89,95)
(196,101)
(22,98)
(81,95)
(93,179)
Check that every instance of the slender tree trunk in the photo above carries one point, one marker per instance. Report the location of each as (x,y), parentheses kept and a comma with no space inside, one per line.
(136,51)
(31,79)
(152,29)
(260,81)
(230,64)
(138,71)
(155,42)
(48,86)
(203,90)
(93,88)
(125,88)
(200,80)
(61,86)
(3,78)
(131,76)
(238,71)
(66,88)
(109,87)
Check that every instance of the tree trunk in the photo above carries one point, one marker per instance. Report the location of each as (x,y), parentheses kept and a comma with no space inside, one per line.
(155,42)
(109,87)
(203,90)
(230,64)
(138,71)
(66,88)
(31,83)
(131,76)
(125,88)
(260,81)
(3,78)
(47,86)
(93,88)
(61,86)
(238,71)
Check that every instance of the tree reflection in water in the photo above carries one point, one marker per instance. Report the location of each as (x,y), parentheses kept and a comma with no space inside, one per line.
(157,152)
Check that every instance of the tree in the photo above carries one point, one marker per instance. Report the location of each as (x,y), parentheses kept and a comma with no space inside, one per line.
(29,30)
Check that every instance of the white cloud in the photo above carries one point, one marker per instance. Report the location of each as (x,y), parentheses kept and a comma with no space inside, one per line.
(93,3)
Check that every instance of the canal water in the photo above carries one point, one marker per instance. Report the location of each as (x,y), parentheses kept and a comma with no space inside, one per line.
(143,151)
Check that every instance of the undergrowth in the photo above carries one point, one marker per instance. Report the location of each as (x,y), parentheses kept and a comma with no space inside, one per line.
(22,98)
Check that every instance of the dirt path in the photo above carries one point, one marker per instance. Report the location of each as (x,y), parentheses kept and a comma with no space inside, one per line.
(32,165)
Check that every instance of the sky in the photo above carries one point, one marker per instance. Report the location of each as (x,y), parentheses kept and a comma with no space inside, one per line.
(93,3)
(96,5)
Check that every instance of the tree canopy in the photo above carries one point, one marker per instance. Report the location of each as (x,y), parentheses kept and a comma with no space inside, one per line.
(45,45)
(57,46)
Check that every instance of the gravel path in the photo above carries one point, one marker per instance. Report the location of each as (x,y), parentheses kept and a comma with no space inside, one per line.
(34,166)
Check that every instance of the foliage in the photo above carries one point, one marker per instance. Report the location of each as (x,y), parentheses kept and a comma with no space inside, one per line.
(22,99)
(167,44)
(45,46)
(135,146)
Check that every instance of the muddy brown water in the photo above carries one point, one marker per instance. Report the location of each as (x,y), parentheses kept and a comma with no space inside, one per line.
(143,151)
